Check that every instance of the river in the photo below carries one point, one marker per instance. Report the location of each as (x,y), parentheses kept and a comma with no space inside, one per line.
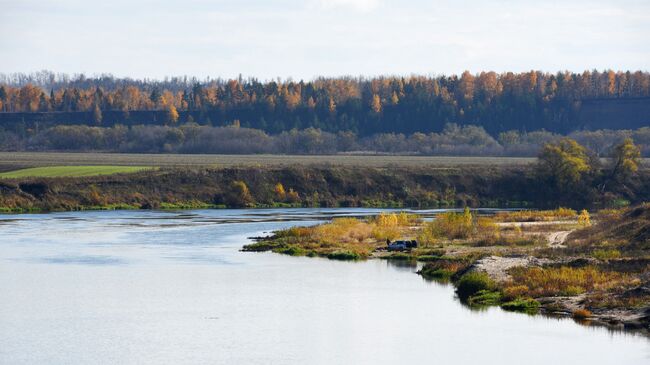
(146,287)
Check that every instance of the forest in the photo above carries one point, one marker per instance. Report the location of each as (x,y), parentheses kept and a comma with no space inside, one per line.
(454,140)
(561,102)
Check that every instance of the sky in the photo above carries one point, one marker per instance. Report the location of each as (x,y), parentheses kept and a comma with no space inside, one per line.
(304,39)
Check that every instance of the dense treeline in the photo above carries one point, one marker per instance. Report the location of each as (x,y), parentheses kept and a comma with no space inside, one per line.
(193,138)
(497,102)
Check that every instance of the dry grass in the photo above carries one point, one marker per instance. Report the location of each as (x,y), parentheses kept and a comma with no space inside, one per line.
(581,314)
(566,281)
(536,215)
(350,235)
(34,159)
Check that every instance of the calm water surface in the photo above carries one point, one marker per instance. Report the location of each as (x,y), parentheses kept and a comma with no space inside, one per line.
(172,288)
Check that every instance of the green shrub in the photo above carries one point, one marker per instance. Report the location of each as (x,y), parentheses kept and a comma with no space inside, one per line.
(442,268)
(343,255)
(262,246)
(485,297)
(292,251)
(527,305)
(472,283)
(606,254)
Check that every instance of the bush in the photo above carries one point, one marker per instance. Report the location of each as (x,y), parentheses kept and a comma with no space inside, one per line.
(584,219)
(452,225)
(515,292)
(472,283)
(385,233)
(295,232)
(581,314)
(292,251)
(536,215)
(566,281)
(342,230)
(606,254)
(239,196)
(485,297)
(527,305)
(343,255)
(442,268)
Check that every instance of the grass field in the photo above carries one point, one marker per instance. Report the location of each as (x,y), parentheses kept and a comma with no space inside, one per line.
(70,171)
(16,160)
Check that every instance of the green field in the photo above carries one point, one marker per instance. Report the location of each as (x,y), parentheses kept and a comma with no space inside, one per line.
(70,171)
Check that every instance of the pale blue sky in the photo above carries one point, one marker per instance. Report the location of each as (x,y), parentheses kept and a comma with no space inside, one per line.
(308,38)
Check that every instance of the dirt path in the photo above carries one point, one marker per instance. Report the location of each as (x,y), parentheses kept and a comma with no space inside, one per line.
(556,239)
(497,267)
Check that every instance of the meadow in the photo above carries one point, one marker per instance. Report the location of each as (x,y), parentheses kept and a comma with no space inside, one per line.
(71,171)
(18,160)
(14,160)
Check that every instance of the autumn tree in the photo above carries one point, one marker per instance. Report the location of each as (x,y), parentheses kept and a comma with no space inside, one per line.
(375,104)
(3,98)
(29,97)
(564,162)
(171,114)
(625,158)
(280,193)
(97,115)
(238,195)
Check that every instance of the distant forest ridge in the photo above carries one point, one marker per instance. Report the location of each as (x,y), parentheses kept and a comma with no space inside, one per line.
(454,140)
(560,102)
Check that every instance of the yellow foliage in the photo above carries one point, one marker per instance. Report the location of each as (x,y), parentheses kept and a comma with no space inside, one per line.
(581,314)
(487,227)
(583,218)
(382,233)
(452,225)
(566,280)
(536,215)
(401,219)
(172,114)
(343,230)
(293,196)
(279,191)
(428,235)
(514,292)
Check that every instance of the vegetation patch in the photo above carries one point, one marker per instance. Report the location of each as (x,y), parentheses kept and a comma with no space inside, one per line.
(567,281)
(472,283)
(71,171)
(536,215)
(485,298)
(443,268)
(344,255)
(581,314)
(526,305)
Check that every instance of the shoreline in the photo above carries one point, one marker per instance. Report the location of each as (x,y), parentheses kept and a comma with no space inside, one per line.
(492,266)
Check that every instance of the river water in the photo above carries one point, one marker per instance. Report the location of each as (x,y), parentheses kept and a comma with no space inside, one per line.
(142,287)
